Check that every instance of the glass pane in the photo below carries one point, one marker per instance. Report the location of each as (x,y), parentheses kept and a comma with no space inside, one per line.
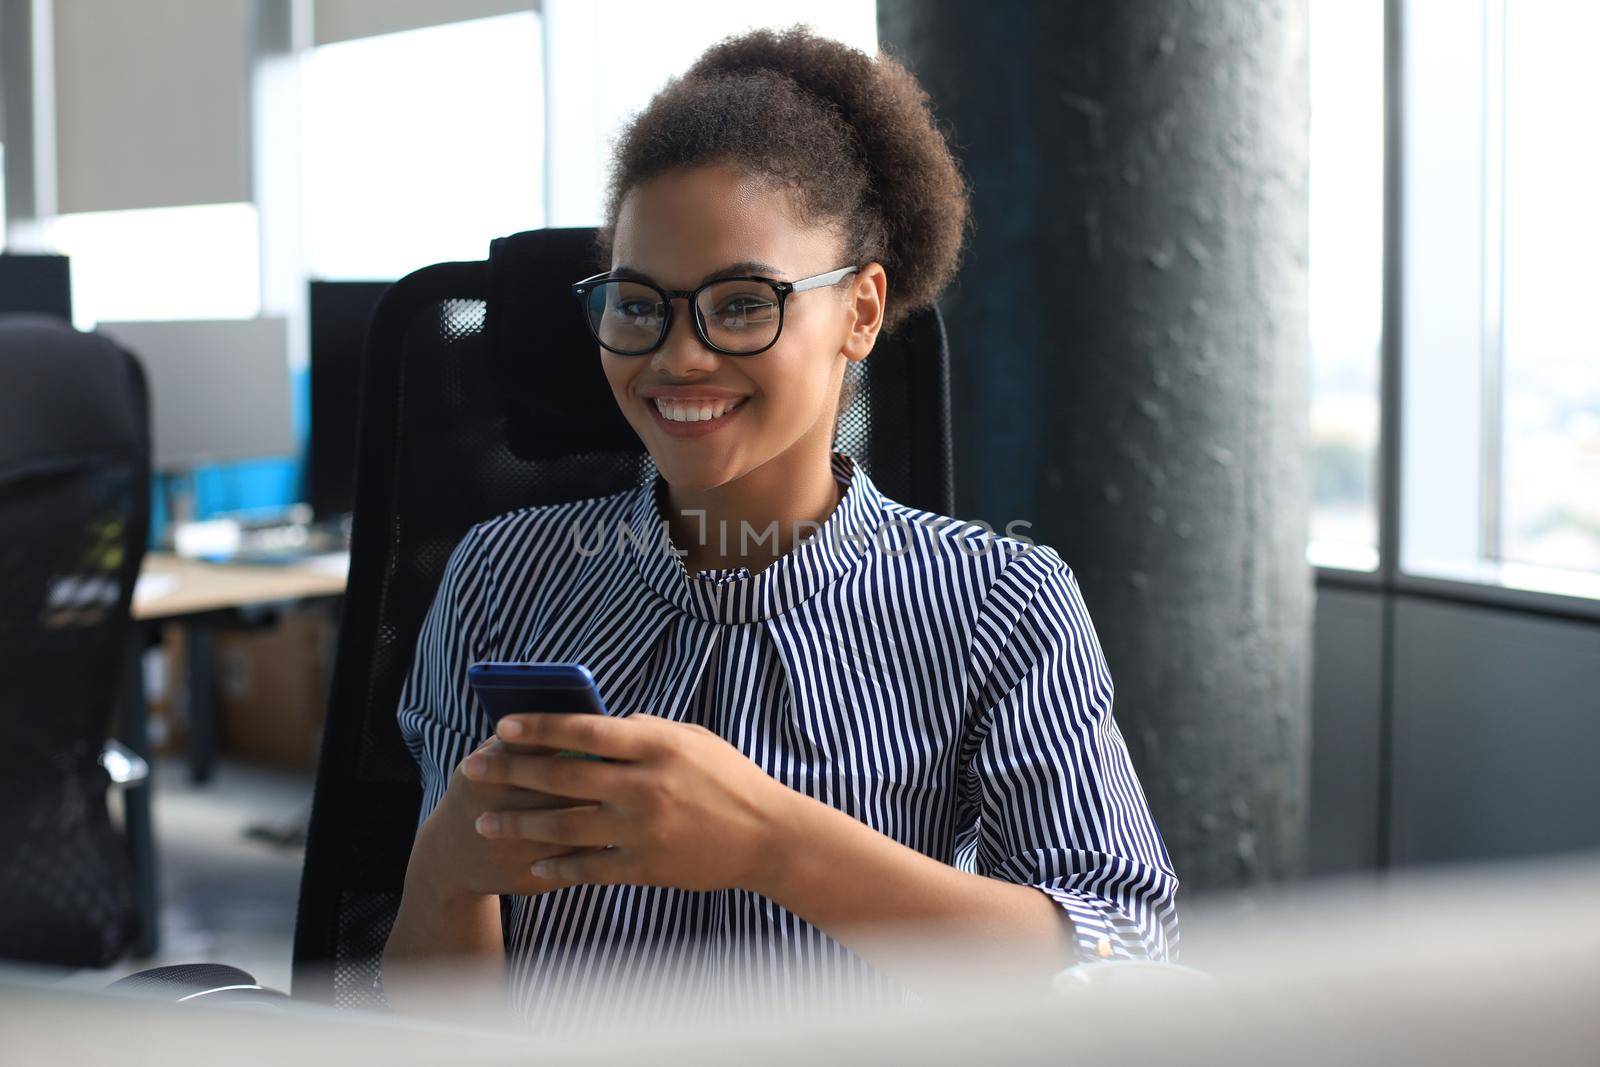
(421,147)
(201,262)
(1550,473)
(1346,285)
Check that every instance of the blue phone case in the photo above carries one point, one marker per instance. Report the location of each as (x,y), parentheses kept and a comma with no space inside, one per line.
(532,688)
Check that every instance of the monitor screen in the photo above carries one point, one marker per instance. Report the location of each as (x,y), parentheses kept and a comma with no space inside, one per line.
(219,389)
(340,315)
(38,283)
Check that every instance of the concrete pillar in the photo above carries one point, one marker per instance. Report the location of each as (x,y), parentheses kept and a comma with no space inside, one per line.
(1129,342)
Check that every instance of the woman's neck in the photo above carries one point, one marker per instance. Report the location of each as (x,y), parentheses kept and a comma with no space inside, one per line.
(767,506)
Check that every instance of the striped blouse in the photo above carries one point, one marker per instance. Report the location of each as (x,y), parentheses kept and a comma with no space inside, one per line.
(937,681)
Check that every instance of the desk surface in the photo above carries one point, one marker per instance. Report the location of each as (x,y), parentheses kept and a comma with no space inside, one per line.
(170,585)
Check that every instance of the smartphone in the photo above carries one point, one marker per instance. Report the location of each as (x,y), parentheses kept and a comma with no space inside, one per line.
(533,688)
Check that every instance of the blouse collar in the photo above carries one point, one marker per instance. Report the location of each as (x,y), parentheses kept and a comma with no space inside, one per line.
(734,594)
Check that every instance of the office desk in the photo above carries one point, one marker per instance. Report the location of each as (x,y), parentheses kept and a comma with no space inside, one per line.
(198,596)
(173,587)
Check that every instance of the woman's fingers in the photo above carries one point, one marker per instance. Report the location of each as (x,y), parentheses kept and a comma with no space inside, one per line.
(627,737)
(589,826)
(510,798)
(615,866)
(562,776)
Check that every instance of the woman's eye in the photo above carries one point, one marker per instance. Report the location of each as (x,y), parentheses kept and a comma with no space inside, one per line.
(747,308)
(636,309)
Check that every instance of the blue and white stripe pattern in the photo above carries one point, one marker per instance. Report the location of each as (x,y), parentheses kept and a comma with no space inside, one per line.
(937,681)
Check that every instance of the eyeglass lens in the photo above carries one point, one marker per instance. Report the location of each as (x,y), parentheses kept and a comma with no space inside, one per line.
(739,316)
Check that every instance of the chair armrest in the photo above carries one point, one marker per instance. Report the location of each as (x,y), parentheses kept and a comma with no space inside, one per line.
(181,983)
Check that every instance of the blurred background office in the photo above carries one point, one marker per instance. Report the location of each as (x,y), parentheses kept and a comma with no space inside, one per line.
(1311,402)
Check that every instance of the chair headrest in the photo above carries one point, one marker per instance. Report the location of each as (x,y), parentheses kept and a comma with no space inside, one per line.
(558,399)
(64,392)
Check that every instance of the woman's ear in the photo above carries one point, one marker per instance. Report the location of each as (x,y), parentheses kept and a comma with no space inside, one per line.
(869,292)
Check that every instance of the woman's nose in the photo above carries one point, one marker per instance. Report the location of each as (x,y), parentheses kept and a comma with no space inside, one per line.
(681,349)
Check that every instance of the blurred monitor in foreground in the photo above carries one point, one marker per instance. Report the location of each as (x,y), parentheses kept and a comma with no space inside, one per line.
(1470,965)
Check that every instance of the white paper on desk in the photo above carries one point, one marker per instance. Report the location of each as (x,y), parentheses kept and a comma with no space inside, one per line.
(153,586)
(329,563)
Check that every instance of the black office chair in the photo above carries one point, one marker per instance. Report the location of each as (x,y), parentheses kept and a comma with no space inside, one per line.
(74,508)
(481,393)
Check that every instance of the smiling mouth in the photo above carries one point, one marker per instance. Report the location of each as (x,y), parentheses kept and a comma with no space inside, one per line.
(692,411)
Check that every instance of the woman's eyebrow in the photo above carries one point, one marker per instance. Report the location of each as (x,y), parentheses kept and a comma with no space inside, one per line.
(744,266)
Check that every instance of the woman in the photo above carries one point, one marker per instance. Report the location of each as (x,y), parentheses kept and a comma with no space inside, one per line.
(901,719)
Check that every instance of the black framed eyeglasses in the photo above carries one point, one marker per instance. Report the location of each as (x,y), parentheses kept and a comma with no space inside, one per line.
(734,316)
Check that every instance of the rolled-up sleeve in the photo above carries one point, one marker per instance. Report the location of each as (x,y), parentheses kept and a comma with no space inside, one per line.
(1049,797)
(440,718)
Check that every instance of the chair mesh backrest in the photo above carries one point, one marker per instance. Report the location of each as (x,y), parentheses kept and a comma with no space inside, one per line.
(74,508)
(465,365)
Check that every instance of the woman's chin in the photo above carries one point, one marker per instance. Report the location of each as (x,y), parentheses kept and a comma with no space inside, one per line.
(683,469)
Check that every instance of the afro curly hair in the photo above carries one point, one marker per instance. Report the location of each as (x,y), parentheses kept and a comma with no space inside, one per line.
(852,137)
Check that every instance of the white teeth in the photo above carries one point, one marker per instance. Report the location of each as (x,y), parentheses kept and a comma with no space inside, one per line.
(694,411)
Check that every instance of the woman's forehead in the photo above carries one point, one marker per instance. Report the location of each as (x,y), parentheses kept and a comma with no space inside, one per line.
(681,226)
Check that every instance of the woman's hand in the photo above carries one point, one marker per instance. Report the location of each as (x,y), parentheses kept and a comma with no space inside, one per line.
(456,861)
(676,805)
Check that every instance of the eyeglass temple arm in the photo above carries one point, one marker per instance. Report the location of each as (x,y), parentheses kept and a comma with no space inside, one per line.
(820,280)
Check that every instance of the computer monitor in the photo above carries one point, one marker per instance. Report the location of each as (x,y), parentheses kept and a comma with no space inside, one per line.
(219,389)
(40,283)
(341,312)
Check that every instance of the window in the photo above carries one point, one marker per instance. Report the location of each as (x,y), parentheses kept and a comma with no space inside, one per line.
(421,146)
(1346,283)
(1500,397)
(200,262)
(1499,385)
(1550,438)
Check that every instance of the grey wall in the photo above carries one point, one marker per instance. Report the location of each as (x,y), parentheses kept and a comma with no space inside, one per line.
(344,20)
(1496,734)
(1492,743)
(1347,741)
(152,103)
